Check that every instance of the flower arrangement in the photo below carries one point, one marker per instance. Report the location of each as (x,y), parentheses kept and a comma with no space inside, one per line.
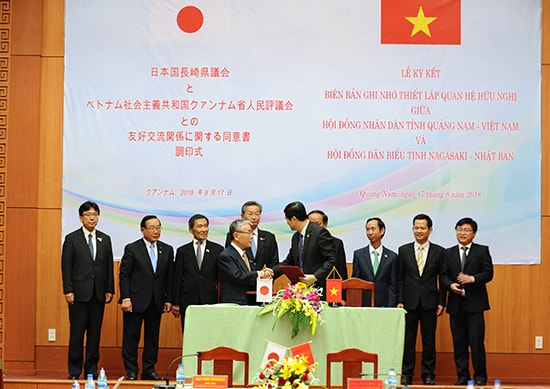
(292,372)
(302,304)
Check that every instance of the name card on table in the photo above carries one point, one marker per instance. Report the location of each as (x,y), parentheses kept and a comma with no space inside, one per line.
(210,382)
(359,383)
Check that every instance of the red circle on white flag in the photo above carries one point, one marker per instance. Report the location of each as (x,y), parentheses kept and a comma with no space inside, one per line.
(264,290)
(190,19)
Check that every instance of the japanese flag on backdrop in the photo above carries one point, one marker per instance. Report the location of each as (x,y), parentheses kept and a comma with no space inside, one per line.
(273,351)
(264,290)
(334,290)
(305,350)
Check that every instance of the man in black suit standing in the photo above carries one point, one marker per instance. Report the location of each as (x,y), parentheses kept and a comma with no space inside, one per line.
(467,268)
(419,294)
(236,271)
(88,284)
(378,264)
(196,269)
(312,248)
(264,250)
(146,274)
(321,219)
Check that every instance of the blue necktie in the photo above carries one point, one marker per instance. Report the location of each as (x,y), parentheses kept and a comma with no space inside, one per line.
(153,256)
(254,248)
(91,245)
(300,250)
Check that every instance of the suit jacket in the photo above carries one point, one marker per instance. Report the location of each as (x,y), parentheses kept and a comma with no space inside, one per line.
(267,252)
(478,264)
(191,284)
(414,290)
(139,282)
(235,278)
(319,254)
(82,275)
(341,264)
(385,281)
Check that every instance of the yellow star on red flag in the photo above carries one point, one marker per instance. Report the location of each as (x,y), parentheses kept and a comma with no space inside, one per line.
(420,22)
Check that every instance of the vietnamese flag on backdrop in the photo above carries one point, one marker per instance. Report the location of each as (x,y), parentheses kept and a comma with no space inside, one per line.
(421,22)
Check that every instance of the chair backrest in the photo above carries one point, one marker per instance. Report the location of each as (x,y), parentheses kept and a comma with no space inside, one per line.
(223,358)
(354,288)
(352,364)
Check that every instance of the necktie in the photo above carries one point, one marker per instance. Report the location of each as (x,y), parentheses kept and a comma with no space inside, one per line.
(300,250)
(376,261)
(463,259)
(199,254)
(91,245)
(420,260)
(245,259)
(254,247)
(153,256)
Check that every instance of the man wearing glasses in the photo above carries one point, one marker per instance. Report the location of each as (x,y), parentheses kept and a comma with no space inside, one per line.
(237,273)
(88,284)
(466,269)
(146,272)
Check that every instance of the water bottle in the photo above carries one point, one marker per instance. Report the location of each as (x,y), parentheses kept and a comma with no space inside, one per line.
(470,384)
(497,384)
(102,379)
(76,385)
(180,377)
(90,384)
(392,379)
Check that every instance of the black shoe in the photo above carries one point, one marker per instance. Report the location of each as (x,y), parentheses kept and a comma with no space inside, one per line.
(481,382)
(131,376)
(152,376)
(462,381)
(428,380)
(72,377)
(406,380)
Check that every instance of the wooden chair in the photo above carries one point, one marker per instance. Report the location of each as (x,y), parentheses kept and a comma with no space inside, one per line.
(354,288)
(223,358)
(352,364)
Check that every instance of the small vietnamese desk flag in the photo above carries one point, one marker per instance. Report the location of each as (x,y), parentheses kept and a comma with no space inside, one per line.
(305,350)
(421,22)
(334,290)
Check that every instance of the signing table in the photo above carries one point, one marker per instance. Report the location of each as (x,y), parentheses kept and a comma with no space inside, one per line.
(376,330)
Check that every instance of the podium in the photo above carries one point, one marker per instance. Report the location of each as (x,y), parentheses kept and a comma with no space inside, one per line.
(376,330)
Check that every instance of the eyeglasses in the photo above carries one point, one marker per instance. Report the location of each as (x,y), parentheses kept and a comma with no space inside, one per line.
(466,230)
(154,228)
(245,232)
(90,214)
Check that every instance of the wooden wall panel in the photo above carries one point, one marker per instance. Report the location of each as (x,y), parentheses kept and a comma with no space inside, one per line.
(26,27)
(20,298)
(53,32)
(50,147)
(23,135)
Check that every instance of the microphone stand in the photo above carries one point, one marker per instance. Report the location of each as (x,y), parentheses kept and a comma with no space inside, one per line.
(167,384)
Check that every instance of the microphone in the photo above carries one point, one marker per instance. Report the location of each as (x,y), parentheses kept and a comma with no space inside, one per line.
(167,384)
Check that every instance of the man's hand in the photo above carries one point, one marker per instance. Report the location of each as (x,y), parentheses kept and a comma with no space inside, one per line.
(69,298)
(108,297)
(176,311)
(126,305)
(309,279)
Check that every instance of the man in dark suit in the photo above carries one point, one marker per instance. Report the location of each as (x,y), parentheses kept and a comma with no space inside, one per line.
(467,268)
(321,219)
(418,293)
(264,250)
(88,284)
(236,271)
(312,247)
(378,264)
(146,274)
(196,269)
